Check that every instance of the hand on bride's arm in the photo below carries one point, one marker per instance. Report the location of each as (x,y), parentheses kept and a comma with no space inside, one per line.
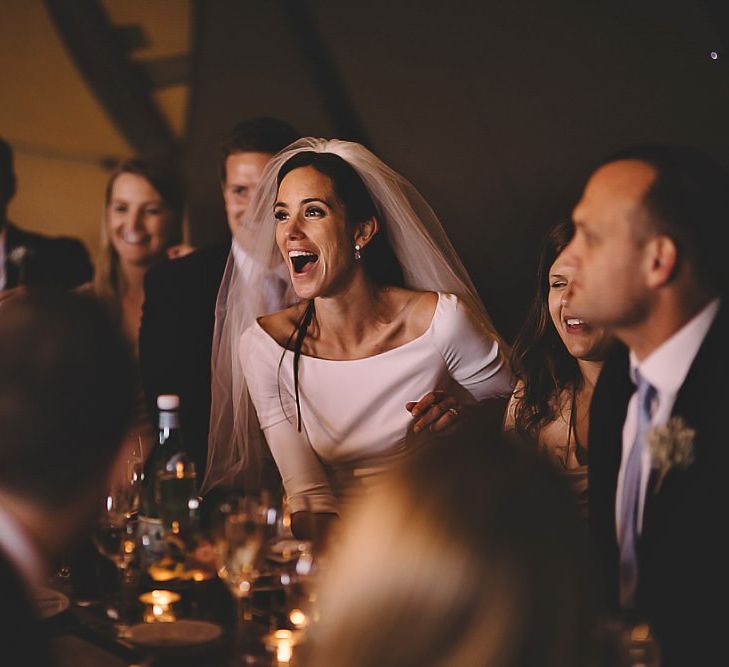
(437,411)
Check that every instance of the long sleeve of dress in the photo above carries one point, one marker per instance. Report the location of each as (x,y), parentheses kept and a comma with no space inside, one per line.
(302,473)
(473,359)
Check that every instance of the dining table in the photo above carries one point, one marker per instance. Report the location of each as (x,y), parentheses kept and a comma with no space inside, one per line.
(185,621)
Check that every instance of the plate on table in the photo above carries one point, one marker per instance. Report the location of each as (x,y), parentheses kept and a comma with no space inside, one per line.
(173,635)
(50,602)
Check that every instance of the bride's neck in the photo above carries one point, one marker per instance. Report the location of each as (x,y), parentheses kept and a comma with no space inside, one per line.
(347,317)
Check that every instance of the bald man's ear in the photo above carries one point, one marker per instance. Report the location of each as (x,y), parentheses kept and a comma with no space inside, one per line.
(662,259)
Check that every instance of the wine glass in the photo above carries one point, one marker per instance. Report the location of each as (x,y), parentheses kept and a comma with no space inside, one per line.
(122,498)
(115,532)
(246,525)
(115,536)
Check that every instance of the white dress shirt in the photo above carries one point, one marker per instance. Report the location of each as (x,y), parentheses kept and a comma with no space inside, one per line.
(666,369)
(275,289)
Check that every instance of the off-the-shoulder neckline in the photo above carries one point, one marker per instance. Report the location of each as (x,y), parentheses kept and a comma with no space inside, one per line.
(379,355)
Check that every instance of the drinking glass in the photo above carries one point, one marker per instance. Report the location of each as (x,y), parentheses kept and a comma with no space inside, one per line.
(115,532)
(115,536)
(116,523)
(245,527)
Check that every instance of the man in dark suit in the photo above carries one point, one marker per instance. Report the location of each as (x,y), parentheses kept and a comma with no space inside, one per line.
(32,259)
(65,403)
(178,317)
(652,232)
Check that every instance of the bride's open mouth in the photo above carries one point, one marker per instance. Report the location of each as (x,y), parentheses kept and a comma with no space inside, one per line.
(302,261)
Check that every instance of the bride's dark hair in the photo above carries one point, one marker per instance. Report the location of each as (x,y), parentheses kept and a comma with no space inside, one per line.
(539,358)
(379,260)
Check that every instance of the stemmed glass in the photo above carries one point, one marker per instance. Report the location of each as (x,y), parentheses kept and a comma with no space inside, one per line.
(115,533)
(245,527)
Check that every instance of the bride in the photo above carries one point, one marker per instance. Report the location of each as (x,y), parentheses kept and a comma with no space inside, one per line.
(388,340)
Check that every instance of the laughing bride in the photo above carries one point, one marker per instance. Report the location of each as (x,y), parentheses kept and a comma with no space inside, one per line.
(388,341)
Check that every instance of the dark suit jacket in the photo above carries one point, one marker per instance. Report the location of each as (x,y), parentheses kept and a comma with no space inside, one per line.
(682,561)
(23,639)
(176,337)
(50,262)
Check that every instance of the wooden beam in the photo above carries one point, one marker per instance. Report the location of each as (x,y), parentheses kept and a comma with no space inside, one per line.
(122,89)
(325,75)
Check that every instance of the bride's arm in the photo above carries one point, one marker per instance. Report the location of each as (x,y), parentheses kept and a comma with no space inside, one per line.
(305,481)
(474,359)
(310,498)
(303,475)
(474,362)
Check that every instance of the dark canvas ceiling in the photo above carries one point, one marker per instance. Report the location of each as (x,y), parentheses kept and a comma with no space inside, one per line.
(495,111)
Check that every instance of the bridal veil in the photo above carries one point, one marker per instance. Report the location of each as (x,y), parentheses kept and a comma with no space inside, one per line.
(427,258)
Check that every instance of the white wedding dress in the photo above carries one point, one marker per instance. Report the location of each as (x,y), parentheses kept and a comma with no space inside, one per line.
(354,421)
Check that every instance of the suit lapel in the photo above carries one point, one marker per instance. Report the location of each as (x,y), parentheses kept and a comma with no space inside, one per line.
(607,415)
(694,398)
(610,402)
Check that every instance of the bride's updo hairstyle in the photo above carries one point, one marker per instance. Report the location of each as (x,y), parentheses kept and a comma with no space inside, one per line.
(378,258)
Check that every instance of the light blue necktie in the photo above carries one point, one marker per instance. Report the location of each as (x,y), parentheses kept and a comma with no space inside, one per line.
(629,508)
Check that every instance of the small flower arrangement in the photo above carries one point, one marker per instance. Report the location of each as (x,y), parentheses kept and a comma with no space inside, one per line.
(671,446)
(18,255)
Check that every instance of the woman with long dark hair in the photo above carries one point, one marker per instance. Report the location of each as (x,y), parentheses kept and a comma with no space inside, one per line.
(389,339)
(557,358)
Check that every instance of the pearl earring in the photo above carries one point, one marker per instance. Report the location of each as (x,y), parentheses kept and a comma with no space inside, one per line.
(357,253)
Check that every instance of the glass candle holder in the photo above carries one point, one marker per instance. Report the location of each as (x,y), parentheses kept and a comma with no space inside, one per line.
(282,643)
(158,606)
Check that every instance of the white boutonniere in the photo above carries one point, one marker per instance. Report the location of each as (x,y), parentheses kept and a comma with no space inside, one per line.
(18,255)
(671,446)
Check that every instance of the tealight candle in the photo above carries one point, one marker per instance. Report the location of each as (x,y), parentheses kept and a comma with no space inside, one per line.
(282,642)
(159,606)
(284,645)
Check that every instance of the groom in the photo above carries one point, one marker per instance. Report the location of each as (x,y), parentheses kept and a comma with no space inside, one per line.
(178,317)
(650,252)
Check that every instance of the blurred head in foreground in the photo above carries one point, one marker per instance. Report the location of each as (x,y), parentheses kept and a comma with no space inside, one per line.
(471,554)
(65,400)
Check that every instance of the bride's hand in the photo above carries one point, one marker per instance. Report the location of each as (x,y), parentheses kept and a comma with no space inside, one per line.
(436,411)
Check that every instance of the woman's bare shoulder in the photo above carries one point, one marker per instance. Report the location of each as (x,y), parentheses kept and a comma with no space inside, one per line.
(418,307)
(280,325)
(514,400)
